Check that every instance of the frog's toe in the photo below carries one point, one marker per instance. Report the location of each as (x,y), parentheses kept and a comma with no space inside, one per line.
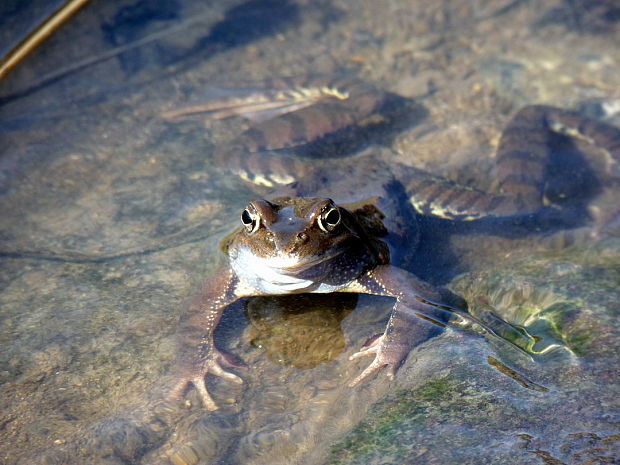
(207,400)
(196,377)
(386,355)
(371,369)
(372,347)
(217,370)
(199,383)
(177,391)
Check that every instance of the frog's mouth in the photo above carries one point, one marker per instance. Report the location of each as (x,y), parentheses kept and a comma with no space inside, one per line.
(292,264)
(285,264)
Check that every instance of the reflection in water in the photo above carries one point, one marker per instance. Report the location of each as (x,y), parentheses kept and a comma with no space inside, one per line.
(301,331)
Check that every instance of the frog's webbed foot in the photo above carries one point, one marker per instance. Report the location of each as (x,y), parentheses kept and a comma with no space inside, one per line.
(194,374)
(385,356)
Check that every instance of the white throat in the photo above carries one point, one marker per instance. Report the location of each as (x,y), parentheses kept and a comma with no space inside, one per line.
(275,275)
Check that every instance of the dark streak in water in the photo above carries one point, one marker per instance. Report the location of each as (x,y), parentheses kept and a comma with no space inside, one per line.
(518,377)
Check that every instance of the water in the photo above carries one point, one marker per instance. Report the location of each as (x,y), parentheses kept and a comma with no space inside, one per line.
(110,217)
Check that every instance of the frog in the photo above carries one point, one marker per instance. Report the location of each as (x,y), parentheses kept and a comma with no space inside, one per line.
(305,241)
(291,245)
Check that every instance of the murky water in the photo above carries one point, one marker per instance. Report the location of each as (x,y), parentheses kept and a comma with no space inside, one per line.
(110,216)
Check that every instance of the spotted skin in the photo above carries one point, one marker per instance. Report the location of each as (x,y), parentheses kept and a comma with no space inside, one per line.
(197,352)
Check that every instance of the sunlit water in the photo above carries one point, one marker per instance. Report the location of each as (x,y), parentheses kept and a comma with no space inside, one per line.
(110,216)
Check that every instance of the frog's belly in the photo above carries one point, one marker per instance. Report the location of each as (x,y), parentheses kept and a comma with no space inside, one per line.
(275,276)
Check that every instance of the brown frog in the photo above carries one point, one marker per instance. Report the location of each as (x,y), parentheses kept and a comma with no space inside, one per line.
(303,245)
(293,244)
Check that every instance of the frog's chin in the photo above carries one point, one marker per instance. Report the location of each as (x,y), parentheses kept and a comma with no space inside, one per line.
(282,275)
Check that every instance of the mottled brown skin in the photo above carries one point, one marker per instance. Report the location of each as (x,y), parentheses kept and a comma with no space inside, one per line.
(293,244)
(321,247)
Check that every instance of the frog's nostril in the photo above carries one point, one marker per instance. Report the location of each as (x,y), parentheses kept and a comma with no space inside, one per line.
(302,236)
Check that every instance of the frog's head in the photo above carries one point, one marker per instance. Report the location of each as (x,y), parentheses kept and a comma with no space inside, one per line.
(294,229)
(308,238)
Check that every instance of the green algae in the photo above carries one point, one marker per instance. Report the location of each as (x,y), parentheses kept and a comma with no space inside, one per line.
(383,429)
(551,300)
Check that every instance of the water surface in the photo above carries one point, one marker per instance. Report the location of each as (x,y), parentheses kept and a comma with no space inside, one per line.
(110,216)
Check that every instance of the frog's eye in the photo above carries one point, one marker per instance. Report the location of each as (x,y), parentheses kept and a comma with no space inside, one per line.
(329,218)
(250,220)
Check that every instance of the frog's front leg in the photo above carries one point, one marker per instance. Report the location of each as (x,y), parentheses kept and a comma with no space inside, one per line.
(415,301)
(197,354)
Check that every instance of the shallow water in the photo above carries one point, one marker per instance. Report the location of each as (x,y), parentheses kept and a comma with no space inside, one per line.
(110,216)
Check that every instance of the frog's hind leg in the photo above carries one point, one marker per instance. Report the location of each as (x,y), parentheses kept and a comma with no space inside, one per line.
(261,168)
(522,160)
(271,98)
(339,104)
(295,115)
(290,112)
(254,104)
(521,157)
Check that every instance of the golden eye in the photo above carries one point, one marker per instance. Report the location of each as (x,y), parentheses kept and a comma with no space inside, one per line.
(329,218)
(250,219)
